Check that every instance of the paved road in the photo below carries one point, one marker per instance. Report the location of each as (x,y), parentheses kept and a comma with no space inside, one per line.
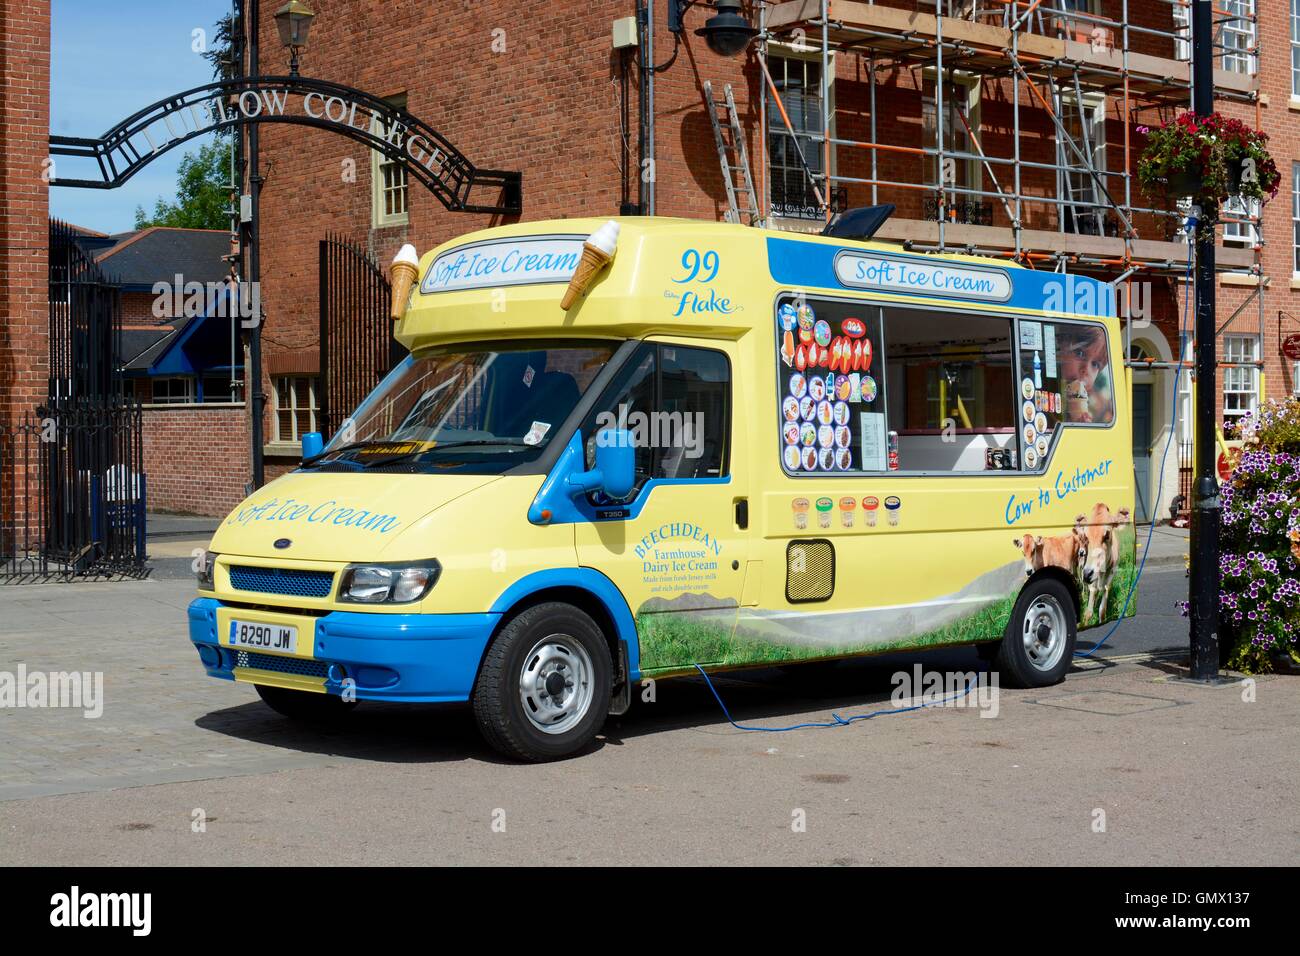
(1182,774)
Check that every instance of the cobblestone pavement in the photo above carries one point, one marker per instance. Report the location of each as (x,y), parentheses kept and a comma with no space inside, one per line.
(671,782)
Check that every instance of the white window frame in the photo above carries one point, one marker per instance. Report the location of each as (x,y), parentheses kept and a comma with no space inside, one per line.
(1238,37)
(1185,409)
(974,90)
(1241,382)
(1295,49)
(1093,111)
(187,399)
(1183,32)
(380,218)
(313,408)
(1241,233)
(804,52)
(1295,217)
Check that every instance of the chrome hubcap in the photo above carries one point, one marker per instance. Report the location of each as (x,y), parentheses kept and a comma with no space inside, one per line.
(555,684)
(1044,632)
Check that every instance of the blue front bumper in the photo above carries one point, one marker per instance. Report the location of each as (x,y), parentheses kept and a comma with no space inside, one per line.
(409,658)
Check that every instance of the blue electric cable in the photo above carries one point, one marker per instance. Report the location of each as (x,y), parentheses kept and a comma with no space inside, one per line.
(837,720)
(1173,425)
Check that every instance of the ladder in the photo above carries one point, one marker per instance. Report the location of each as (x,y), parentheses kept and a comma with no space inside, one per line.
(745,188)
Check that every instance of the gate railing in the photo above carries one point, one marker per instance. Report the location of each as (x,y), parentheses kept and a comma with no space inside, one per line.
(72,491)
(356,334)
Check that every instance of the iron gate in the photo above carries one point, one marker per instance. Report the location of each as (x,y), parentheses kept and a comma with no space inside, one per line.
(72,490)
(357,347)
(72,484)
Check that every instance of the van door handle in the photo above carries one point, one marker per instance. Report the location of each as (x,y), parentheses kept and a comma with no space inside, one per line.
(742,513)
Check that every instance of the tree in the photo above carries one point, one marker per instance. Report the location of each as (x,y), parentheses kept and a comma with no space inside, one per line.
(202,192)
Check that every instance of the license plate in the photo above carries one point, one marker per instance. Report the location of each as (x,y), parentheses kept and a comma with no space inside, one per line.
(278,638)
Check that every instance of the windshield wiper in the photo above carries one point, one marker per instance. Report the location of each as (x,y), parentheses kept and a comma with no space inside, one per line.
(402,456)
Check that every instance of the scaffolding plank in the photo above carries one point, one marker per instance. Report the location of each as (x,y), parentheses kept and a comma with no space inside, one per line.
(894,31)
(958,235)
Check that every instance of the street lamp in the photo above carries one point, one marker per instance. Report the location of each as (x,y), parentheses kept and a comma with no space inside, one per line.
(727,32)
(293,20)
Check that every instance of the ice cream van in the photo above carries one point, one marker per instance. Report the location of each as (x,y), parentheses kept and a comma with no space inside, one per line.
(621,449)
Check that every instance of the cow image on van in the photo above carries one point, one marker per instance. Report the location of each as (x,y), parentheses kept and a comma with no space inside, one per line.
(531,515)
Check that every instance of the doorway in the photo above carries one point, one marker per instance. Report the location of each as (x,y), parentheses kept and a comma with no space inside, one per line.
(1142,450)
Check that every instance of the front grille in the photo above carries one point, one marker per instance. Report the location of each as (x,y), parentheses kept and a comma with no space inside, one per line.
(315,584)
(281,665)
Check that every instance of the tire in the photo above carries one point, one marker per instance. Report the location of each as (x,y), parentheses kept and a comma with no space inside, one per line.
(304,705)
(1038,646)
(544,688)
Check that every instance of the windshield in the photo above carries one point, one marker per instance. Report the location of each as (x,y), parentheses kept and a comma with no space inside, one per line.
(470,408)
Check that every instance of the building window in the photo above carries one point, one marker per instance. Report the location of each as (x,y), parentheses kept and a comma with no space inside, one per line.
(296,407)
(1183,29)
(217,388)
(799,81)
(1240,384)
(1240,218)
(961,115)
(1295,215)
(1084,207)
(1295,48)
(172,391)
(1185,411)
(391,189)
(1237,36)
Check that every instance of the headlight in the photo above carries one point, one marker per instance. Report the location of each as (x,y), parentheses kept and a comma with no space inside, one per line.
(388,583)
(205,571)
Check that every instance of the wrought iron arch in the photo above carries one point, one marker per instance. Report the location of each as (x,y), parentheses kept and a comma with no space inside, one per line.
(428,156)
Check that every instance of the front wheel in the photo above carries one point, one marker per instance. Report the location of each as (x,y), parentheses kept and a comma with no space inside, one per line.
(544,688)
(1038,646)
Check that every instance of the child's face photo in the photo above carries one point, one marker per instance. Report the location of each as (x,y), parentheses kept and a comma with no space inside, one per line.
(1082,357)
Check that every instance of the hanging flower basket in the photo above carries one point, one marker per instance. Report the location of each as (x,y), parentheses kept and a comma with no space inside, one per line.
(1207,159)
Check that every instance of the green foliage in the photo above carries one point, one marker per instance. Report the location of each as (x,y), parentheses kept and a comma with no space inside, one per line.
(671,642)
(1203,152)
(1259,564)
(202,192)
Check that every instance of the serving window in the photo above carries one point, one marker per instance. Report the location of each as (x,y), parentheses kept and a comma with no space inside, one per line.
(868,389)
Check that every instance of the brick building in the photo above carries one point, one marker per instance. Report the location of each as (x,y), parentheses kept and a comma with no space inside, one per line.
(541,88)
(949,117)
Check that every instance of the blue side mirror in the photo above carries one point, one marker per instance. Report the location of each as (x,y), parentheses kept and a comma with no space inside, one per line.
(615,471)
(313,443)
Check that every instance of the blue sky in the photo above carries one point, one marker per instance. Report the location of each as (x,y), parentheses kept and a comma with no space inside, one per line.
(107,61)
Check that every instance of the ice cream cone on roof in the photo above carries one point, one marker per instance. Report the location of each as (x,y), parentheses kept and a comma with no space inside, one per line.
(403,271)
(597,252)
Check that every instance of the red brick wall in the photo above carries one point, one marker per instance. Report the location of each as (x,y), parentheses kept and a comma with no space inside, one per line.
(196,458)
(549,105)
(24,203)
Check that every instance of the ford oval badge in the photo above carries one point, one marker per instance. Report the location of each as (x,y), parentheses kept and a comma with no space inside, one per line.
(282,543)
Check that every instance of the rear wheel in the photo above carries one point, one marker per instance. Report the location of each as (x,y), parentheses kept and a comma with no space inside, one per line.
(304,705)
(1038,646)
(544,688)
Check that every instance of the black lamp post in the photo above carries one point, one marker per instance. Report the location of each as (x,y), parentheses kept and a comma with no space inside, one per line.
(293,20)
(1204,590)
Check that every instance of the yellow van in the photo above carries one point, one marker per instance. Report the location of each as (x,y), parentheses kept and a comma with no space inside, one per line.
(734,448)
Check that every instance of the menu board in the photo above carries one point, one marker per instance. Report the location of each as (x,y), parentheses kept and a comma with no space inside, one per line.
(829,361)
